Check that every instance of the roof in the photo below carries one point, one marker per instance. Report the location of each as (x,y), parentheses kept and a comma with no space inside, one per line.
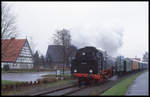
(11,49)
(55,53)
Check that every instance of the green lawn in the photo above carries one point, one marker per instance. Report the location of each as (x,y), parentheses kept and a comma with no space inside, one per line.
(121,87)
(4,82)
(54,75)
(60,82)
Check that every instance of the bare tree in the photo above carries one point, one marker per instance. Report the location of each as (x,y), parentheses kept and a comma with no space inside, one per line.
(145,57)
(8,23)
(42,61)
(8,28)
(36,59)
(70,53)
(63,37)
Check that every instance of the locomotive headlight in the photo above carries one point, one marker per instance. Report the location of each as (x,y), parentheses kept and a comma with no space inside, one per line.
(75,70)
(83,53)
(91,71)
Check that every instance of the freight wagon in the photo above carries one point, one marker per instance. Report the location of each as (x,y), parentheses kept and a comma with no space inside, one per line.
(134,65)
(144,65)
(120,65)
(127,65)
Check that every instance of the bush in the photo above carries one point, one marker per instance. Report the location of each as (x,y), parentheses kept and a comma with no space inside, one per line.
(6,67)
(48,80)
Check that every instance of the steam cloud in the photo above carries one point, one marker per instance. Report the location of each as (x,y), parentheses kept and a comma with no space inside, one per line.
(107,37)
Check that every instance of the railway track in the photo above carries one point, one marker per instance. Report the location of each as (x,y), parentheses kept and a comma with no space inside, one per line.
(75,90)
(68,90)
(62,91)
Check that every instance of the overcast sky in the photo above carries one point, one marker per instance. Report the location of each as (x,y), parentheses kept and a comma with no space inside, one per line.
(121,28)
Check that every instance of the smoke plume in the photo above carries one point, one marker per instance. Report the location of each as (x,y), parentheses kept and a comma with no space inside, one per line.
(107,37)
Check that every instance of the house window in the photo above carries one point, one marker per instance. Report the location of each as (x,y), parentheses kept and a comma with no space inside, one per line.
(13,65)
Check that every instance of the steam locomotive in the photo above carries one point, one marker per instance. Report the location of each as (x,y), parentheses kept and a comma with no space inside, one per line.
(92,65)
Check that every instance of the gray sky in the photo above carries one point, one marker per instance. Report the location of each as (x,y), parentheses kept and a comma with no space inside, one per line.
(121,28)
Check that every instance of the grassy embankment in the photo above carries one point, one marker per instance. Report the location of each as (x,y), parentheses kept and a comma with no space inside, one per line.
(23,91)
(54,75)
(4,82)
(121,87)
(60,82)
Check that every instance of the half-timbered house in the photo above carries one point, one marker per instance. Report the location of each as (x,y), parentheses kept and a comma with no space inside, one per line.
(16,53)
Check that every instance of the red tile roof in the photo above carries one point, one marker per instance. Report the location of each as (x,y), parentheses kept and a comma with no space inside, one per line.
(11,49)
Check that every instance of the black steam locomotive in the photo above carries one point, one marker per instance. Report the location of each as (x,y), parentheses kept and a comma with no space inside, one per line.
(90,64)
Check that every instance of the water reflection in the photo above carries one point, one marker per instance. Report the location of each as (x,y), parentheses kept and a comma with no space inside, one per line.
(26,76)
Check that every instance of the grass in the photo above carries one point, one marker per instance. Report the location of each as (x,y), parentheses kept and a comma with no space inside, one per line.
(54,75)
(60,82)
(4,82)
(121,87)
(16,92)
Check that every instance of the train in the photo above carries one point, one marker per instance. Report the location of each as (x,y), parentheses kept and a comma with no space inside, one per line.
(129,65)
(94,65)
